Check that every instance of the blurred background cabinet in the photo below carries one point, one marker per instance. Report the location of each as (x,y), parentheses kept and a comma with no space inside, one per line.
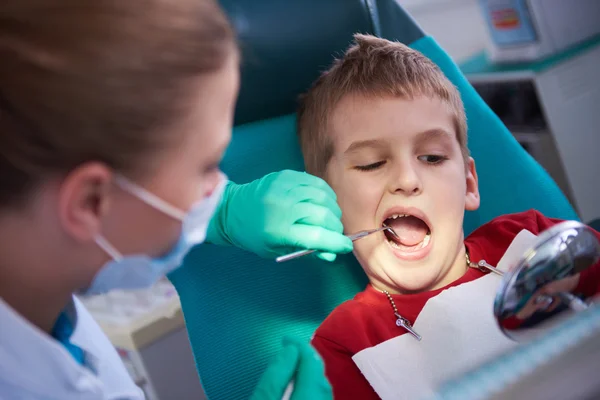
(552,107)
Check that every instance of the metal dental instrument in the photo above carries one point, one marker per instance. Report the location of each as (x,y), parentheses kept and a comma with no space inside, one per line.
(353,237)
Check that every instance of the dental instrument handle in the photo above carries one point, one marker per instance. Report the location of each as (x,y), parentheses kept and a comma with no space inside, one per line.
(353,237)
(293,255)
(363,234)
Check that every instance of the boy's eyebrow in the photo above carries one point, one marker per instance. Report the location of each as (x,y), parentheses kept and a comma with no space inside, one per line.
(422,137)
(432,134)
(362,144)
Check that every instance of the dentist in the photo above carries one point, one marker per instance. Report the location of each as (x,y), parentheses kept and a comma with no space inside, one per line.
(114,116)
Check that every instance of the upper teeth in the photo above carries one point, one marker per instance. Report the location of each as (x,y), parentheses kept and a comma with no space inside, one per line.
(398,216)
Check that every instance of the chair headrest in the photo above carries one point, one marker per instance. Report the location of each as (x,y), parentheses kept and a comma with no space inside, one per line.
(287,44)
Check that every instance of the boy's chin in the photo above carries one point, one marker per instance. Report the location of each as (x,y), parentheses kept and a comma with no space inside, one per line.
(409,276)
(410,286)
(407,280)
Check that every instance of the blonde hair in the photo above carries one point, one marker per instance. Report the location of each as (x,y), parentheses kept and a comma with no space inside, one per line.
(98,81)
(371,67)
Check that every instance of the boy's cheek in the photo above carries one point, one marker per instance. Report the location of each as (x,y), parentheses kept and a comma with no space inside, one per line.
(358,198)
(347,192)
(356,215)
(348,216)
(345,201)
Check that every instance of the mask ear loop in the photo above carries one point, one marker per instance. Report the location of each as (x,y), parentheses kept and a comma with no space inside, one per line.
(108,248)
(149,198)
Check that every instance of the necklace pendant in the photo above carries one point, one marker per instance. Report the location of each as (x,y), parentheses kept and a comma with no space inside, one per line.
(484,266)
(404,323)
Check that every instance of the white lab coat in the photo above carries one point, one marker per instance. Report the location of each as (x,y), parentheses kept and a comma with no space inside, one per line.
(34,366)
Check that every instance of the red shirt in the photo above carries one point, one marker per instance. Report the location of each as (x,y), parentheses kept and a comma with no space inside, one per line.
(368,319)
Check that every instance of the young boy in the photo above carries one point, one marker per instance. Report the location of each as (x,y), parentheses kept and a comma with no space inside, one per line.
(387,130)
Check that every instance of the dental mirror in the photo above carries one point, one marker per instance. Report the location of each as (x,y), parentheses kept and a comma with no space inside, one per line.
(538,292)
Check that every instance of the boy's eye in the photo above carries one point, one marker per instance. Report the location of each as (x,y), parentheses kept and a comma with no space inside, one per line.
(370,167)
(433,159)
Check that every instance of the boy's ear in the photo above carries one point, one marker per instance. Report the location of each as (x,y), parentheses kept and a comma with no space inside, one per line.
(472,199)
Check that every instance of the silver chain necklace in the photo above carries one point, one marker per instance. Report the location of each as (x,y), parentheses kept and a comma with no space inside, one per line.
(403,322)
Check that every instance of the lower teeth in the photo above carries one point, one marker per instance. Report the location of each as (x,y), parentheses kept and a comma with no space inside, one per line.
(418,246)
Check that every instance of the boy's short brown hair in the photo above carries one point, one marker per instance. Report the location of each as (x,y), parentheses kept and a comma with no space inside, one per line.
(371,67)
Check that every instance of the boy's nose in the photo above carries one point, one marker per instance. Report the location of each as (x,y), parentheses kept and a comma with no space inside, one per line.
(407,181)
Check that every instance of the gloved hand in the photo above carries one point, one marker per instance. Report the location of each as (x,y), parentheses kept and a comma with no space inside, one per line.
(280,213)
(298,361)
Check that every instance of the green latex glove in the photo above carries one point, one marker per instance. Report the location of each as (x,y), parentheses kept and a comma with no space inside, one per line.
(299,362)
(280,213)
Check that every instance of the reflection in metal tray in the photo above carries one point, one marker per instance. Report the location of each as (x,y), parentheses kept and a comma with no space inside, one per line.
(560,365)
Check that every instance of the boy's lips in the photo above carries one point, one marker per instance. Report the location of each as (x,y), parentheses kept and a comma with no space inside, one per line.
(413,229)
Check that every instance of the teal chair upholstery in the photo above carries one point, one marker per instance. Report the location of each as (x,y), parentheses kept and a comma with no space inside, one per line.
(237,306)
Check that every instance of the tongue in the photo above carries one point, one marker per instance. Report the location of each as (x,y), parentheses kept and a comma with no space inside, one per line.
(410,230)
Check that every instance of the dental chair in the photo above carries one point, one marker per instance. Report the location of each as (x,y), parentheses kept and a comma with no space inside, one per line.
(237,306)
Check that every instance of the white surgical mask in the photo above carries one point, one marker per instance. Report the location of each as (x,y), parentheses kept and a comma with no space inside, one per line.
(140,270)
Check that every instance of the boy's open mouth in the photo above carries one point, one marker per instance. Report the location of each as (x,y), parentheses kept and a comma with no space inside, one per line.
(413,233)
